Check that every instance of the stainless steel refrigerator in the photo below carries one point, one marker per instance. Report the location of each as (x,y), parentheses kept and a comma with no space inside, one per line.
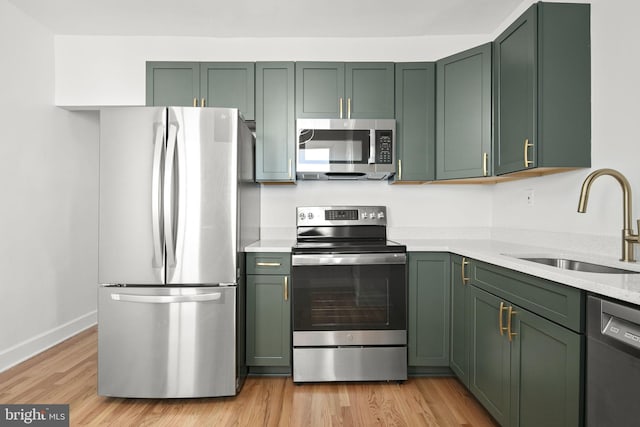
(178,203)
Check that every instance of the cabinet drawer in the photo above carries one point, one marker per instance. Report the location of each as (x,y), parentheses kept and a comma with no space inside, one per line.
(559,303)
(268,263)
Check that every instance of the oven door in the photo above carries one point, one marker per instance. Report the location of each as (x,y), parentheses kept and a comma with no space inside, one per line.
(349,299)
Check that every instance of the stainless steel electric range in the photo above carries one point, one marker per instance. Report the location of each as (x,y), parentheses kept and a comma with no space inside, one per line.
(349,296)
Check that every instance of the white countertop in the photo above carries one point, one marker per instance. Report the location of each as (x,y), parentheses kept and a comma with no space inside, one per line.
(271,245)
(625,287)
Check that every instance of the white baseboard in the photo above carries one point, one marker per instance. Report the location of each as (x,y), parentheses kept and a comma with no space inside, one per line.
(29,348)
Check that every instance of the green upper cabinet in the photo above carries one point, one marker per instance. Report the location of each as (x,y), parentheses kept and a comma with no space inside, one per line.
(173,83)
(275,122)
(370,90)
(229,84)
(415,121)
(428,309)
(542,90)
(329,90)
(197,84)
(463,114)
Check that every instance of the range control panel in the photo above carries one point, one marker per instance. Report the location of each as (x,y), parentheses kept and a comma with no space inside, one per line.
(341,215)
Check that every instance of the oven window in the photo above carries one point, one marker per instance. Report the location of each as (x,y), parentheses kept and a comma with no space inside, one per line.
(349,297)
(334,146)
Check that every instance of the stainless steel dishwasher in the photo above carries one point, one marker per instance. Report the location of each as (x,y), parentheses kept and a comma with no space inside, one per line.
(613,363)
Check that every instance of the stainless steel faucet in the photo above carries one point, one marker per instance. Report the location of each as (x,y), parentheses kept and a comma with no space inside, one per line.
(628,236)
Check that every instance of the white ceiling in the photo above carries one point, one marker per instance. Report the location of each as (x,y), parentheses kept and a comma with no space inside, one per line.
(269,18)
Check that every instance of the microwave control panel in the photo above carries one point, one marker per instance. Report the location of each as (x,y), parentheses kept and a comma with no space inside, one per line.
(384,147)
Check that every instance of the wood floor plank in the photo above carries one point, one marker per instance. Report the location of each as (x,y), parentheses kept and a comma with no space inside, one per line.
(67,373)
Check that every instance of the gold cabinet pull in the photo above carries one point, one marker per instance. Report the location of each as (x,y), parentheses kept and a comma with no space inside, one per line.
(465,279)
(286,288)
(340,107)
(500,316)
(202,102)
(527,145)
(510,313)
(290,168)
(485,164)
(268,264)
(195,102)
(348,108)
(399,169)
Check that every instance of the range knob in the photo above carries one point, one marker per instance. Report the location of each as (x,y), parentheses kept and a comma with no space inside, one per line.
(372,215)
(380,215)
(301,216)
(310,215)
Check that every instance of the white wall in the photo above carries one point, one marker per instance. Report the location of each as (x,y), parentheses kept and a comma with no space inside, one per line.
(111,70)
(615,116)
(48,188)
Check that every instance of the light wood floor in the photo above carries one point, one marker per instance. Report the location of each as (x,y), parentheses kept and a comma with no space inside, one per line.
(67,374)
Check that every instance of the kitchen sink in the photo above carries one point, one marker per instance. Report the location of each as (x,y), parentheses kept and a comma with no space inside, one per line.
(570,264)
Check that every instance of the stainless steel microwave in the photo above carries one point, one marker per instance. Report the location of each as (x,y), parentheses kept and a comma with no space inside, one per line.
(345,148)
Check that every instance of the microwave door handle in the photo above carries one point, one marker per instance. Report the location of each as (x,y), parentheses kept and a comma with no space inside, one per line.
(372,146)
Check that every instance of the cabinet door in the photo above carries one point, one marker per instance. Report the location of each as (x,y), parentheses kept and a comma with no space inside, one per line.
(459,359)
(275,121)
(173,84)
(545,377)
(515,95)
(489,357)
(320,90)
(229,84)
(429,293)
(415,121)
(268,321)
(369,89)
(463,140)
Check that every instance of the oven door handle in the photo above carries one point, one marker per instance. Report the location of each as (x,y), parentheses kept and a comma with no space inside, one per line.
(348,259)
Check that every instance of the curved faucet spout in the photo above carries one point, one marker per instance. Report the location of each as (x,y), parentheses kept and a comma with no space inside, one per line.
(628,237)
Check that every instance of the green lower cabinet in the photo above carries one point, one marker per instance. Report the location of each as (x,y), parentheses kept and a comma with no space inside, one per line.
(524,369)
(428,309)
(459,351)
(545,373)
(489,354)
(268,320)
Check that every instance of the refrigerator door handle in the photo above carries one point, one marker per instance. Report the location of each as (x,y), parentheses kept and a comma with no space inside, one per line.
(169,195)
(156,196)
(166,299)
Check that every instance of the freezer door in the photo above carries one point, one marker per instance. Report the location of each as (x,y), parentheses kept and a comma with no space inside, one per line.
(201,196)
(160,342)
(131,248)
